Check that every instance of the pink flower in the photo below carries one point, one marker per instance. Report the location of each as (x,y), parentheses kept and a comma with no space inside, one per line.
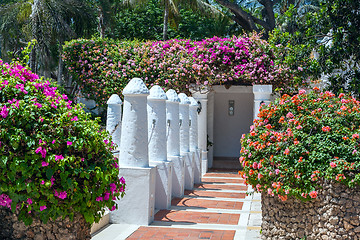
(355,135)
(106,141)
(313,194)
(75,118)
(113,208)
(107,196)
(69,143)
(122,180)
(29,201)
(62,195)
(287,151)
(299,127)
(42,182)
(326,129)
(53,141)
(290,115)
(332,164)
(4,111)
(44,164)
(277,171)
(58,157)
(302,91)
(99,199)
(42,208)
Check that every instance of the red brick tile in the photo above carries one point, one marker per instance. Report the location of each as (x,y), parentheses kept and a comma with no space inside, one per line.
(232,175)
(222,180)
(219,187)
(180,234)
(209,194)
(201,203)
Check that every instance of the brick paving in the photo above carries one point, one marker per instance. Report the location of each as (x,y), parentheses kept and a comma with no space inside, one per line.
(221,187)
(200,207)
(196,217)
(154,233)
(209,194)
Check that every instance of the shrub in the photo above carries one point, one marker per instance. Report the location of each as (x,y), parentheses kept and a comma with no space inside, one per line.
(54,161)
(102,67)
(298,141)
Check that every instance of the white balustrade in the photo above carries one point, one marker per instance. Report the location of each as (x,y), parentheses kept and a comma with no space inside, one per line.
(113,121)
(193,115)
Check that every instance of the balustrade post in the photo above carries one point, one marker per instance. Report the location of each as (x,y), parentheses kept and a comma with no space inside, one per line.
(193,115)
(113,120)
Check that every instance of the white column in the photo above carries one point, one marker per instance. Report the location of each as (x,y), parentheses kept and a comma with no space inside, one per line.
(184,122)
(185,141)
(138,204)
(172,123)
(173,143)
(262,94)
(202,130)
(113,120)
(193,115)
(134,133)
(156,109)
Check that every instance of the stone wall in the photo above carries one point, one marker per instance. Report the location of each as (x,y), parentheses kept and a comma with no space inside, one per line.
(334,214)
(11,228)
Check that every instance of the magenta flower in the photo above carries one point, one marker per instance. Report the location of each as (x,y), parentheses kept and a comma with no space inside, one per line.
(58,157)
(106,141)
(29,201)
(62,195)
(44,164)
(113,208)
(4,111)
(69,143)
(107,196)
(42,208)
(42,182)
(53,141)
(75,118)
(99,199)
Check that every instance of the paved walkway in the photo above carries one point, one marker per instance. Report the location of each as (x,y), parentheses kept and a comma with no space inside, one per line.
(216,209)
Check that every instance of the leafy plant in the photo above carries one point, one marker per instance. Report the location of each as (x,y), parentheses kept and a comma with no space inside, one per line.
(54,160)
(102,67)
(299,141)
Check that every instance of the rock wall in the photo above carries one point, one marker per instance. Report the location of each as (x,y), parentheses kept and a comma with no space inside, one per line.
(334,214)
(11,228)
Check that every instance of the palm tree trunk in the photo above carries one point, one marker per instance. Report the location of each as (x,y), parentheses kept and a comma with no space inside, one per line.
(61,63)
(166,19)
(33,60)
(101,26)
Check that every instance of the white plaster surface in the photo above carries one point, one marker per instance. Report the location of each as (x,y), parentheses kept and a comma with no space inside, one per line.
(163,188)
(156,110)
(136,86)
(184,123)
(202,130)
(262,93)
(138,204)
(178,176)
(193,115)
(134,132)
(197,166)
(189,169)
(113,121)
(172,124)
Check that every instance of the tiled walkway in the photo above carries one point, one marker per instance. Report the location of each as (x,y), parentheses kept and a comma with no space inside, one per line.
(216,209)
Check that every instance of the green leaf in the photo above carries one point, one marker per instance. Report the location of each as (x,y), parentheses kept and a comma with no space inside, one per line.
(49,173)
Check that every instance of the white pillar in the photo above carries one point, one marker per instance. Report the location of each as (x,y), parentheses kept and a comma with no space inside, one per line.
(202,130)
(156,109)
(134,133)
(138,204)
(184,122)
(173,143)
(262,94)
(193,115)
(185,141)
(113,120)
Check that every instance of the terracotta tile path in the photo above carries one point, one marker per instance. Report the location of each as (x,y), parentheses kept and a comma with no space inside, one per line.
(216,209)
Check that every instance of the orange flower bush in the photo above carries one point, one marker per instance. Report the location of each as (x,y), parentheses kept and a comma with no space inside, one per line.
(299,141)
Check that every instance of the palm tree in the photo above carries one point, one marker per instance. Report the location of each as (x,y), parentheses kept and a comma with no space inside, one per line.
(171,9)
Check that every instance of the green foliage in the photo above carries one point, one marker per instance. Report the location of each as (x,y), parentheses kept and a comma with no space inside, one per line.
(145,22)
(54,160)
(299,141)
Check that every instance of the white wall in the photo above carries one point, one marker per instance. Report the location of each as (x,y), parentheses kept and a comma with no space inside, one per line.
(228,129)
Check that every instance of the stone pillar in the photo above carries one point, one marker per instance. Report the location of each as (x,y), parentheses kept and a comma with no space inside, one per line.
(193,115)
(156,108)
(113,120)
(137,206)
(185,141)
(202,130)
(173,143)
(262,94)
